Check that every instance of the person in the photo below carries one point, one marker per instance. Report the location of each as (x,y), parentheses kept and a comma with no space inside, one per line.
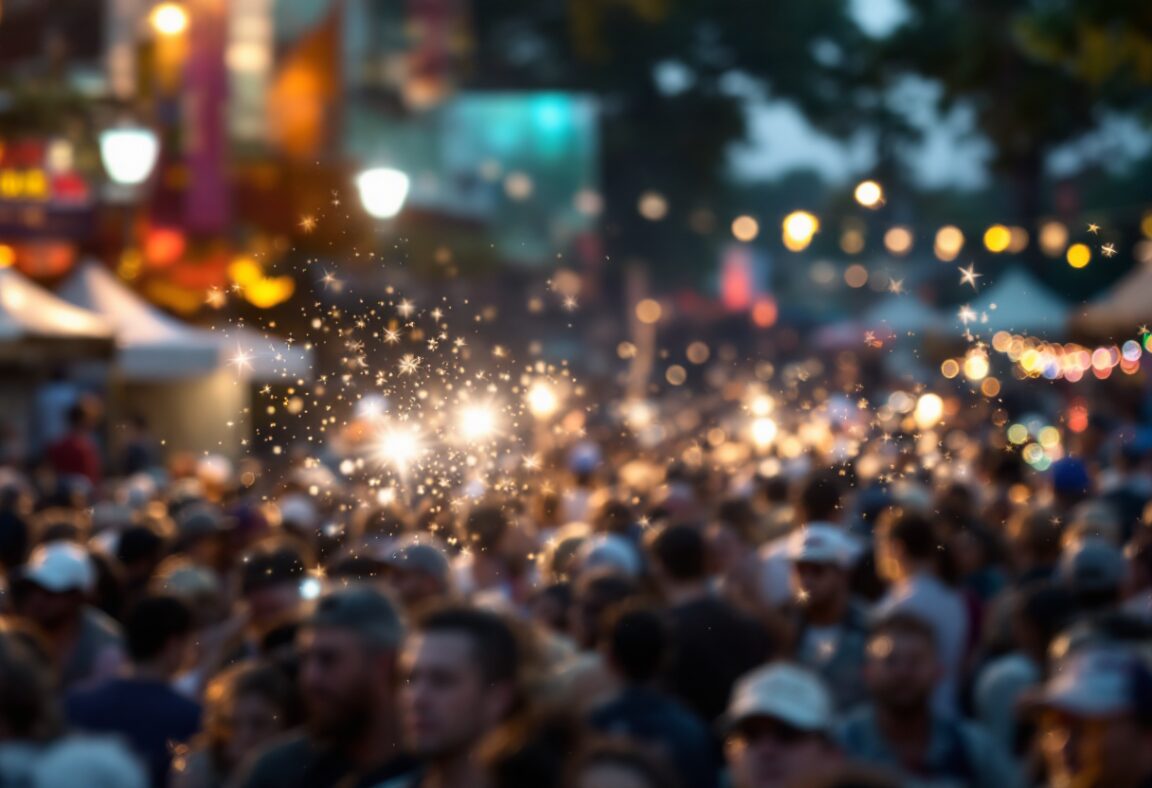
(494,563)
(461,679)
(348,681)
(1095,719)
(29,718)
(246,707)
(140,452)
(906,555)
(778,727)
(1094,570)
(831,629)
(713,642)
(421,573)
(620,764)
(85,646)
(902,730)
(635,649)
(142,706)
(1043,611)
(75,453)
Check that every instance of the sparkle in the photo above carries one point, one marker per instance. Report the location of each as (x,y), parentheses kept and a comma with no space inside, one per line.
(569,303)
(216,298)
(1093,228)
(870,339)
(242,360)
(406,308)
(896,286)
(1143,330)
(1108,250)
(391,336)
(967,314)
(968,276)
(330,281)
(436,314)
(308,223)
(409,364)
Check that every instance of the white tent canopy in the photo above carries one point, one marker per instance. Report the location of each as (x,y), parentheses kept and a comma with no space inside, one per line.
(28,311)
(156,347)
(152,345)
(1020,303)
(1124,308)
(903,314)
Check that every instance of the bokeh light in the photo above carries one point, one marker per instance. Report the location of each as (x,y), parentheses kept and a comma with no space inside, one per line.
(745,228)
(649,311)
(898,240)
(997,238)
(799,227)
(869,194)
(1079,255)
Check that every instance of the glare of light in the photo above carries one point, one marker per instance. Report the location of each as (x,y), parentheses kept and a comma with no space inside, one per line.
(869,194)
(745,228)
(1018,434)
(764,431)
(1053,238)
(653,206)
(383,191)
(129,154)
(169,19)
(649,311)
(7,256)
(1079,255)
(638,414)
(310,588)
(761,405)
(1049,437)
(477,422)
(929,411)
(542,399)
(399,447)
(241,360)
(950,368)
(949,242)
(799,227)
(898,240)
(997,238)
(976,366)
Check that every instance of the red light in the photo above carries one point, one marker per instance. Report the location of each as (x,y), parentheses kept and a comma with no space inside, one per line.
(163,246)
(765,313)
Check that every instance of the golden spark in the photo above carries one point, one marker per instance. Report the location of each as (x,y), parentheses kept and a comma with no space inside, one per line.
(308,223)
(570,303)
(216,298)
(968,276)
(406,307)
(967,314)
(409,364)
(1108,250)
(896,286)
(391,336)
(1093,228)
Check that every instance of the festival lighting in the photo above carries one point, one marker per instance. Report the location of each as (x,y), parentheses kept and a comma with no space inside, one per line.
(799,228)
(477,422)
(169,19)
(383,191)
(869,194)
(129,153)
(542,399)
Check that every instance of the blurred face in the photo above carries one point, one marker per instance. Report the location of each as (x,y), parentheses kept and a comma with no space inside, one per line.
(445,706)
(248,723)
(611,775)
(902,670)
(764,753)
(817,584)
(1093,752)
(339,680)
(49,609)
(273,605)
(414,587)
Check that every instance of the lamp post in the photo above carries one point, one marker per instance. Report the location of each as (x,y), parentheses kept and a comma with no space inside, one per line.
(129,155)
(383,191)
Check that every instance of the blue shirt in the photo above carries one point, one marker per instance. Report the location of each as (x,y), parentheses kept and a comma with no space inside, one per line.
(150,715)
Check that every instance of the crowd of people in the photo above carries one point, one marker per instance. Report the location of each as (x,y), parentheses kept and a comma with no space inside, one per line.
(200,623)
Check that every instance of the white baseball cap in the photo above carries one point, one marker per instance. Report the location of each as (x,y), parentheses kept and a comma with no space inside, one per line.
(61,566)
(782,691)
(821,543)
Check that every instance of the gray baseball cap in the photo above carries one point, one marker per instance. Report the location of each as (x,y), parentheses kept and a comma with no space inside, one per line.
(363,609)
(419,553)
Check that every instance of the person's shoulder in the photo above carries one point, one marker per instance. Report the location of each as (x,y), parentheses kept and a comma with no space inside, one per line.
(279,763)
(102,624)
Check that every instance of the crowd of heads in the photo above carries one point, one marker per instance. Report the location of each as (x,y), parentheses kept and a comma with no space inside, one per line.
(622,621)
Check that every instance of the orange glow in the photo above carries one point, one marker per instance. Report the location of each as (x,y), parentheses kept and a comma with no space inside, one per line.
(765,313)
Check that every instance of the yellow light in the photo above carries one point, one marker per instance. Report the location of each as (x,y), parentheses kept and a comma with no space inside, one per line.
(169,19)
(245,271)
(869,194)
(399,447)
(1049,437)
(267,293)
(949,242)
(477,422)
(745,228)
(652,206)
(7,256)
(997,238)
(1018,434)
(542,399)
(1053,238)
(799,227)
(898,240)
(764,432)
(1079,255)
(649,311)
(976,366)
(1146,225)
(761,405)
(929,411)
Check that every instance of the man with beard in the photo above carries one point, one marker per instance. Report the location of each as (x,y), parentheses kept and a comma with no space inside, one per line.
(347,679)
(461,680)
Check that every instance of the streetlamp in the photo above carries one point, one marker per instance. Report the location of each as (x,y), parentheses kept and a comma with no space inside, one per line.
(129,154)
(383,191)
